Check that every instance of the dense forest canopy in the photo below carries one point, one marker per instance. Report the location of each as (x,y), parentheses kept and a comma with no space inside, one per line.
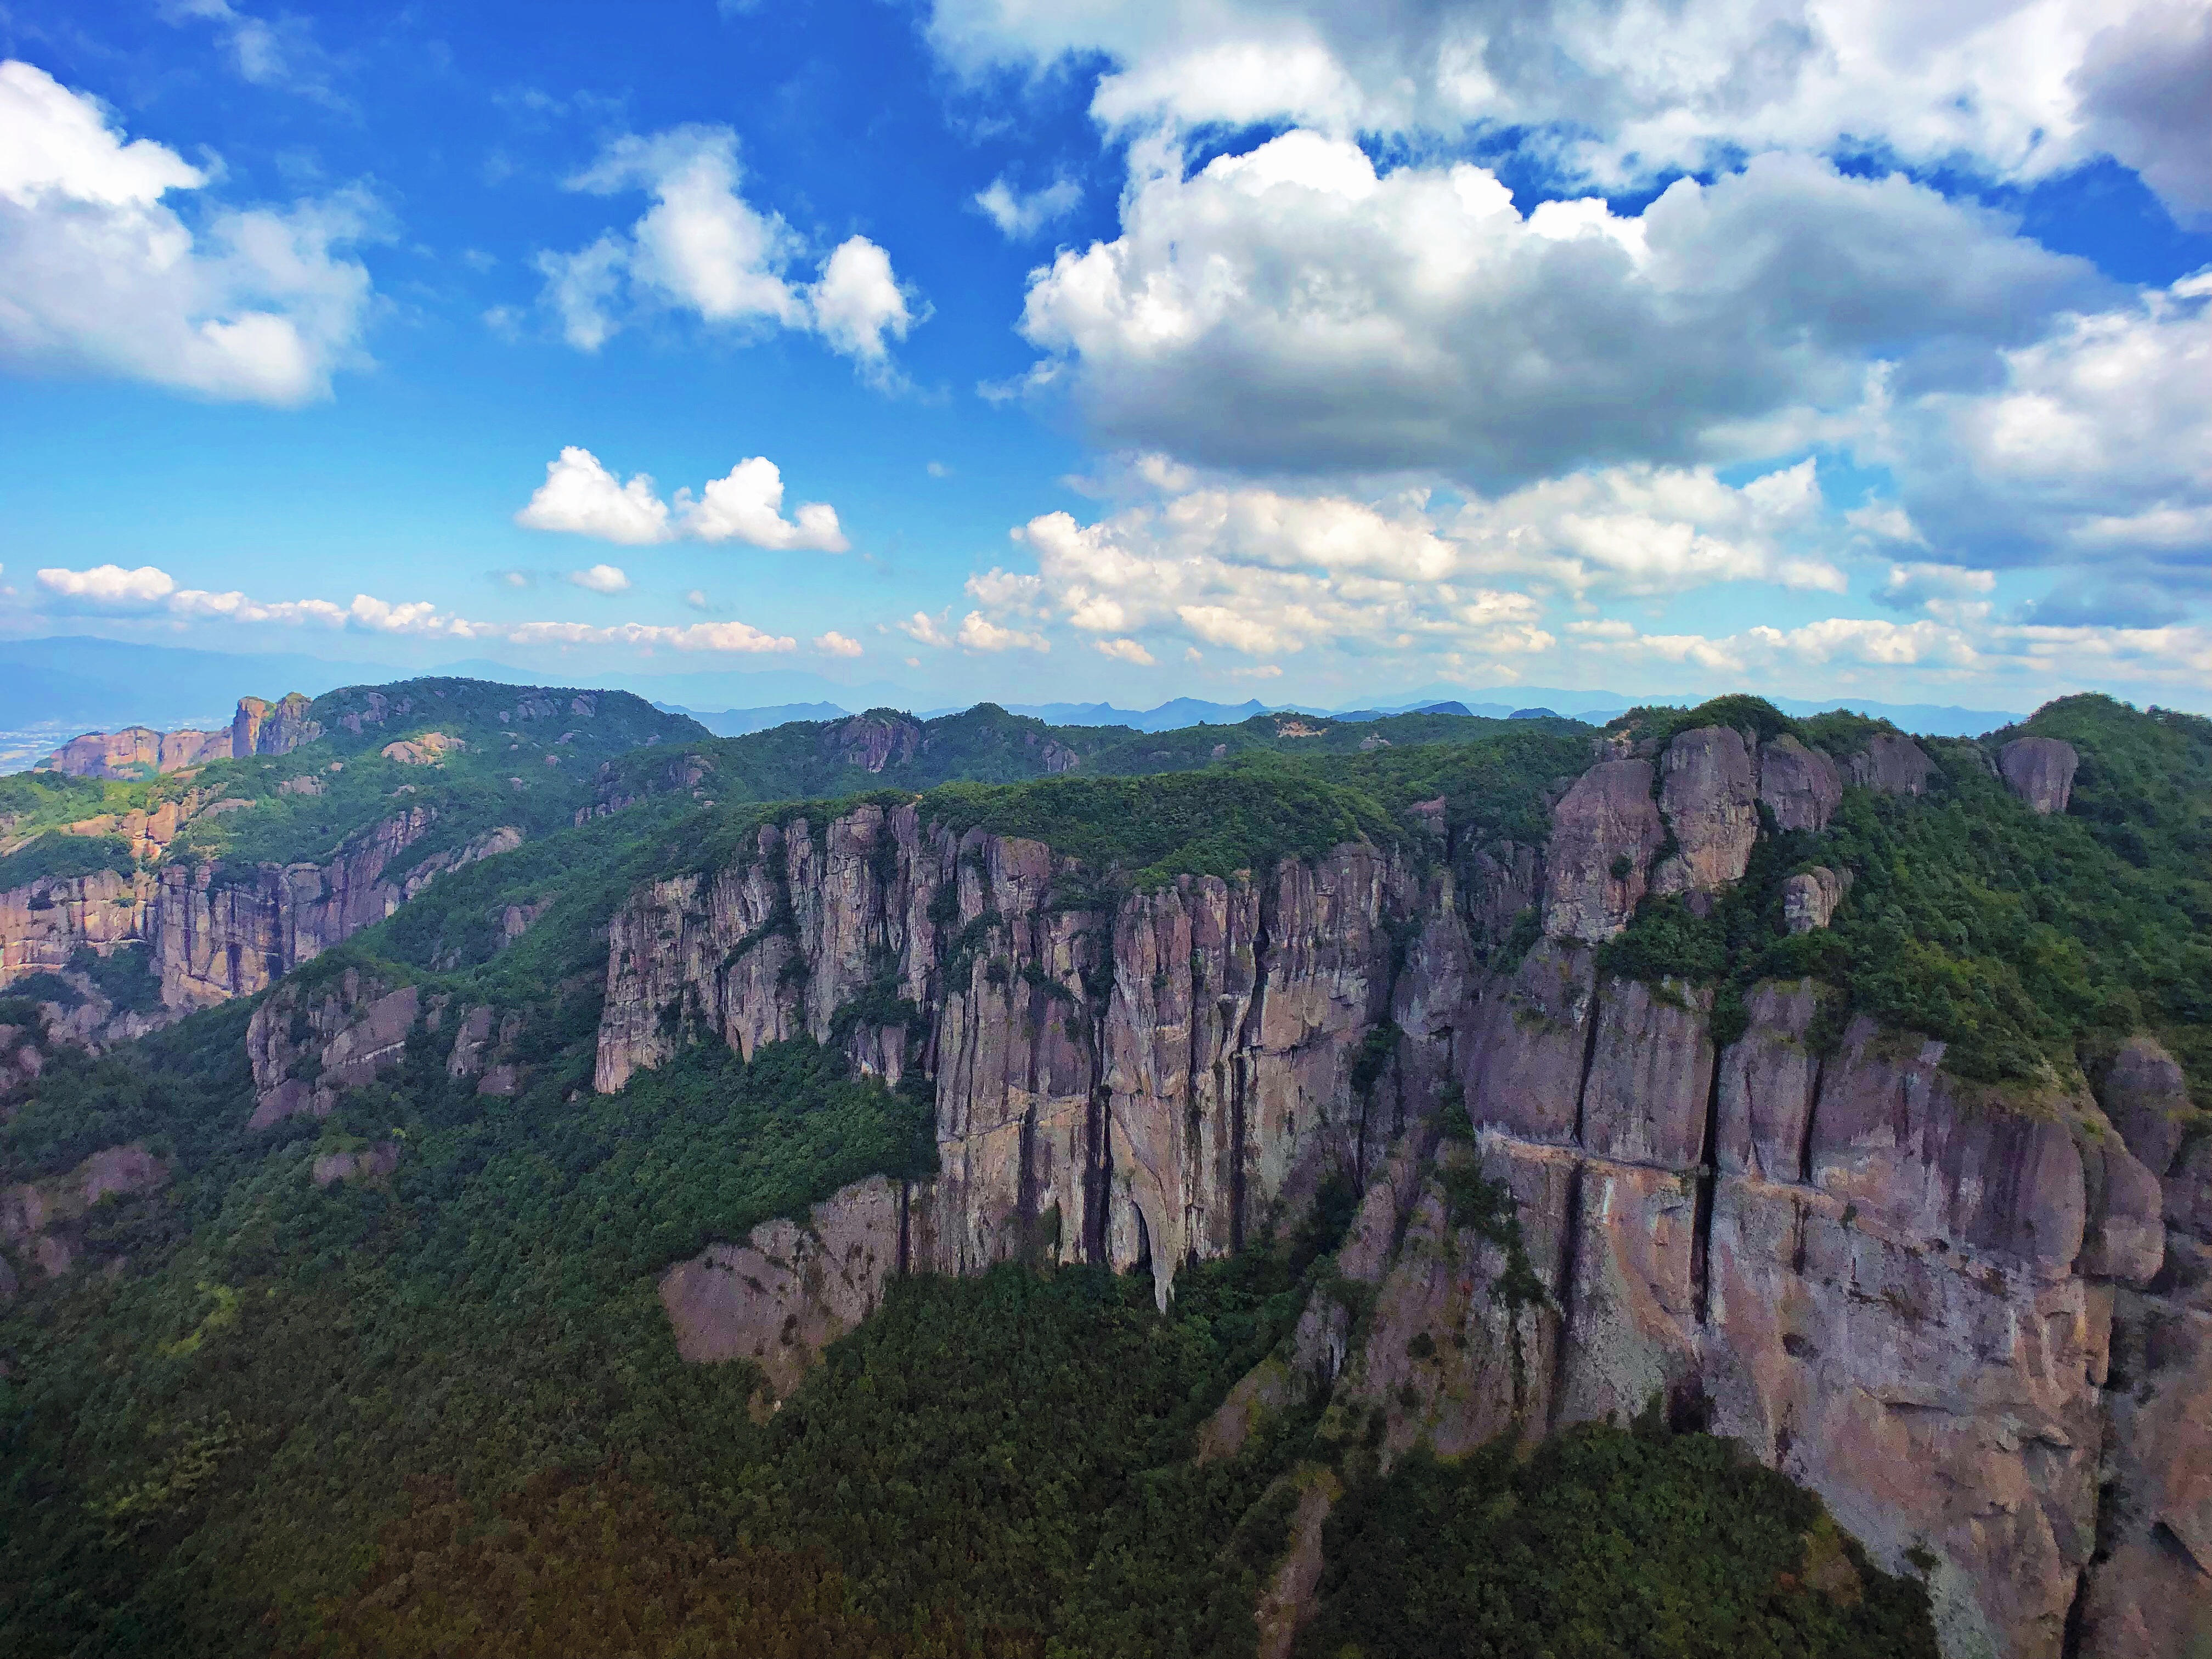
(442,1411)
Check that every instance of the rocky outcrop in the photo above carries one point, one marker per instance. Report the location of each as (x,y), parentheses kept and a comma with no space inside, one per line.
(1897,1287)
(217,931)
(267,728)
(793,1288)
(368,1163)
(1604,833)
(136,751)
(1893,764)
(2150,1591)
(39,1220)
(1134,1085)
(1810,897)
(1708,793)
(873,741)
(308,1047)
(2040,771)
(1799,785)
(428,749)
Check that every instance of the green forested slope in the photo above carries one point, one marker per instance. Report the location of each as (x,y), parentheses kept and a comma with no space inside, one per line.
(2031,944)
(442,1413)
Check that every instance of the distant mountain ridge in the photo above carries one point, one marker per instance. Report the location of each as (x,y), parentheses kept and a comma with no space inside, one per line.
(64,685)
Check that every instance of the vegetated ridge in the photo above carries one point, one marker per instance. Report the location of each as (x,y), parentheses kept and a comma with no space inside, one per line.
(1120,1214)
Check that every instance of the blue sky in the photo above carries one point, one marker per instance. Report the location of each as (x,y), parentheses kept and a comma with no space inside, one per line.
(979,347)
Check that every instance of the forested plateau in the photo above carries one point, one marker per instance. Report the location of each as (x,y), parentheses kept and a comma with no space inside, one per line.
(488,1169)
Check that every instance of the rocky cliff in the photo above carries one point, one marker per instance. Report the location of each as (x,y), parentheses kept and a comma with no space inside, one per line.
(211,930)
(138,752)
(1974,1322)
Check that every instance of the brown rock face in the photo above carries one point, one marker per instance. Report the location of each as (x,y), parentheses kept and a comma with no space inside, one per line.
(1651,1075)
(308,1049)
(1894,765)
(2148,1598)
(1799,785)
(1524,1065)
(1809,899)
(38,1220)
(792,1288)
(267,728)
(1604,831)
(136,751)
(217,931)
(871,742)
(1144,1113)
(1896,1287)
(1767,1080)
(2040,771)
(1708,791)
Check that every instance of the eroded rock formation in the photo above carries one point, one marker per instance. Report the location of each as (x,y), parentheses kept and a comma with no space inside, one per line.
(214,930)
(39,1220)
(2040,771)
(1899,1289)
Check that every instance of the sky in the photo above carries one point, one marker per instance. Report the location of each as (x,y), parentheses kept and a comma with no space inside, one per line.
(1076,350)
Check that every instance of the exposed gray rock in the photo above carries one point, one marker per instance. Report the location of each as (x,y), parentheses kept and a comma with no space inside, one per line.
(2040,771)
(1799,785)
(1809,899)
(1708,793)
(1893,764)
(1604,832)
(792,1288)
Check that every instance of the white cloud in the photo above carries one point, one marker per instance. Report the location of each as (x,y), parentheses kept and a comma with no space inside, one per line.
(601,579)
(1644,530)
(2094,447)
(279,53)
(858,301)
(729,636)
(833,644)
(923,629)
(149,589)
(581,288)
(1264,573)
(236,607)
(111,586)
(1291,307)
(582,498)
(696,599)
(701,247)
(419,618)
(1006,590)
(1019,215)
(2027,660)
(1912,586)
(1124,651)
(2016,88)
(747,506)
(977,632)
(98,274)
(2142,84)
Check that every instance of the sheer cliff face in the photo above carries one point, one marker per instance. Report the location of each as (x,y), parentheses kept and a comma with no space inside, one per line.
(1902,1292)
(1121,1084)
(213,931)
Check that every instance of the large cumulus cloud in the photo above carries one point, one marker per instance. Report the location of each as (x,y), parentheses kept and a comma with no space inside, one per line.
(100,272)
(1620,89)
(1291,309)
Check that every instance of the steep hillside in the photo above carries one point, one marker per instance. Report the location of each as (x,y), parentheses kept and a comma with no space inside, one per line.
(1090,1214)
(129,900)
